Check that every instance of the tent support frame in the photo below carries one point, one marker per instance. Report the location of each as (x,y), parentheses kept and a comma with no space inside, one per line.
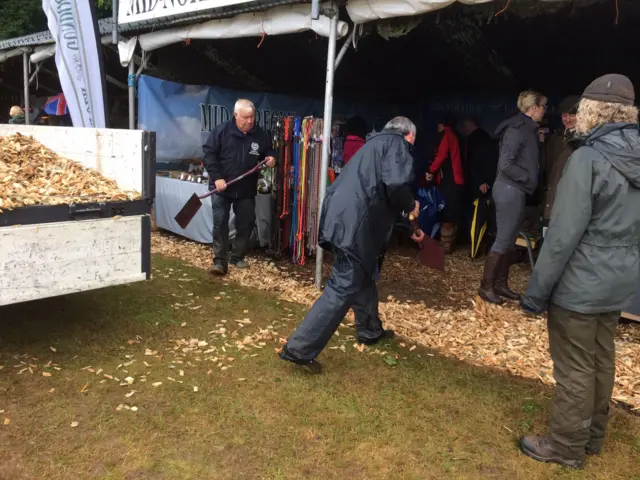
(326,133)
(25,71)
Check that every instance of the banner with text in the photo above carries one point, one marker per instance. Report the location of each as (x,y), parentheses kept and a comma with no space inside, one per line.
(183,115)
(79,59)
(135,11)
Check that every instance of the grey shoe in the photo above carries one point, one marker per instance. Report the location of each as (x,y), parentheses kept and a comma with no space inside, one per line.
(241,265)
(218,269)
(540,449)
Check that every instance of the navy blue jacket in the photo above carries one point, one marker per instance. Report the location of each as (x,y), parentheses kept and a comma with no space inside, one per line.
(361,206)
(229,153)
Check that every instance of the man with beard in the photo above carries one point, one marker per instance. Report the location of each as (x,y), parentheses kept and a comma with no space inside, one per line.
(357,219)
(557,151)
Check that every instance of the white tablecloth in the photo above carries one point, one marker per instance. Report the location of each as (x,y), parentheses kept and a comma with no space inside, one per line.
(172,194)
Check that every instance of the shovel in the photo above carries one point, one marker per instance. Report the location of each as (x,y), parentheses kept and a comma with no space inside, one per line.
(431,253)
(186,214)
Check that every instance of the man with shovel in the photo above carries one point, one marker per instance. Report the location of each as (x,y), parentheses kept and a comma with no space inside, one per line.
(357,219)
(233,148)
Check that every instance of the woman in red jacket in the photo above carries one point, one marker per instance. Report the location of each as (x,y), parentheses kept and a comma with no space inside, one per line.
(447,167)
(356,130)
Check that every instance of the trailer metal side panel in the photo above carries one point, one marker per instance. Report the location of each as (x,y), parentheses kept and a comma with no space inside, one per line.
(47,260)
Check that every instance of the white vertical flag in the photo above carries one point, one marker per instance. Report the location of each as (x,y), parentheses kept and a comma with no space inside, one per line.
(79,59)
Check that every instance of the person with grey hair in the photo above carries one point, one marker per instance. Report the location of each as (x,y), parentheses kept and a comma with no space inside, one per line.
(358,215)
(587,271)
(233,148)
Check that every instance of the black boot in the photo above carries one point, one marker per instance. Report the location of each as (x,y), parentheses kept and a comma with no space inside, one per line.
(487,292)
(502,279)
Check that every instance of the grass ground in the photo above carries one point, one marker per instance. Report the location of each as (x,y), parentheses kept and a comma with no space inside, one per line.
(224,413)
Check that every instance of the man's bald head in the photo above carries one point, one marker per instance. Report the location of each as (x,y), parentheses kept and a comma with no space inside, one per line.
(244,112)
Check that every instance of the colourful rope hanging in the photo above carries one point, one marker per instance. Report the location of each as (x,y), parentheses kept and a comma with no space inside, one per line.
(287,165)
(297,126)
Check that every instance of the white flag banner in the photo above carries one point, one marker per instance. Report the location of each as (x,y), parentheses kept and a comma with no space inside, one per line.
(79,59)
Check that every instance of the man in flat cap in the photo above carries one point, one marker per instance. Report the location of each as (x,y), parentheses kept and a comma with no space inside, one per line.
(557,150)
(587,270)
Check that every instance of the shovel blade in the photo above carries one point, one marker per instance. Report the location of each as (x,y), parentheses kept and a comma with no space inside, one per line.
(431,254)
(189,211)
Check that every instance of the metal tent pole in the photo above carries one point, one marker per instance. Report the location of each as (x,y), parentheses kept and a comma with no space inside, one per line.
(114,20)
(25,70)
(131,81)
(326,134)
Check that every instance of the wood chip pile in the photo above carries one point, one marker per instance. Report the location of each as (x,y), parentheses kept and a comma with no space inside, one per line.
(439,311)
(32,174)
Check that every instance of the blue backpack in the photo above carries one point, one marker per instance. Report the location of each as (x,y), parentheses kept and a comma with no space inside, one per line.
(431,204)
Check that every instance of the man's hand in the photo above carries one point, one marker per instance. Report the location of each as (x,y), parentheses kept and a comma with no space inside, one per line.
(416,210)
(428,176)
(271,162)
(418,235)
(531,307)
(221,185)
(484,188)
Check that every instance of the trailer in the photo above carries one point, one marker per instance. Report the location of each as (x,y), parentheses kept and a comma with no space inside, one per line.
(53,250)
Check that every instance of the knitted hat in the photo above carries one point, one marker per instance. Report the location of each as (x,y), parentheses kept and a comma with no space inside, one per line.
(612,88)
(569,105)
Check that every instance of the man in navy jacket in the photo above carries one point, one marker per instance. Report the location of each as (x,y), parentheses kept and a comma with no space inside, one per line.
(233,148)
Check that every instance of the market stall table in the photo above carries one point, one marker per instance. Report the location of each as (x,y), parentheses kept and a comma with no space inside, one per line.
(172,194)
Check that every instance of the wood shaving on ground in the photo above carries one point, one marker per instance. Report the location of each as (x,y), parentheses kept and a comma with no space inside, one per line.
(32,174)
(438,311)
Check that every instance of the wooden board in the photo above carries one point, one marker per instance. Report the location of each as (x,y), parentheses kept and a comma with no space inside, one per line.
(117,154)
(631,316)
(40,261)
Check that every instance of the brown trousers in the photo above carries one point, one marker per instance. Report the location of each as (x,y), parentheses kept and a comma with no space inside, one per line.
(583,353)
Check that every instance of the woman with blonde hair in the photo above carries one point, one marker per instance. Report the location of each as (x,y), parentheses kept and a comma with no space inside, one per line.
(587,270)
(517,177)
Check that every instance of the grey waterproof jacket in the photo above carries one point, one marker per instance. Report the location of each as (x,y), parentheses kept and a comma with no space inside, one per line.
(519,159)
(361,206)
(590,260)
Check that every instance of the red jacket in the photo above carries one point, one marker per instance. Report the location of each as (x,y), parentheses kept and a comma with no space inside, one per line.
(449,149)
(351,145)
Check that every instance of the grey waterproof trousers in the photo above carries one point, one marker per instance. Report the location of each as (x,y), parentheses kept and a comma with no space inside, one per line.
(583,353)
(510,203)
(348,287)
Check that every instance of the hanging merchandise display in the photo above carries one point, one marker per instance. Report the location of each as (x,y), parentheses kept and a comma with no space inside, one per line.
(295,184)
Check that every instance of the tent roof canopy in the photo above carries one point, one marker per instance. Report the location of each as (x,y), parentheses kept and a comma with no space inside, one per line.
(106,24)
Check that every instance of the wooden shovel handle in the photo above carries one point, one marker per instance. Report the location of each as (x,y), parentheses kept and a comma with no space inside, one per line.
(249,172)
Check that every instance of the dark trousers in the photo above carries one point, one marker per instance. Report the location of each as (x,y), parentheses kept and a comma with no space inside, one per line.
(583,353)
(245,218)
(510,205)
(348,287)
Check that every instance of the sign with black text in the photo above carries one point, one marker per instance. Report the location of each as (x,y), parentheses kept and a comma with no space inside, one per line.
(135,11)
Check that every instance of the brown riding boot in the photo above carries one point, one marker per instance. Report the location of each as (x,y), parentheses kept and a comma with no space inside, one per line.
(501,286)
(447,237)
(487,292)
